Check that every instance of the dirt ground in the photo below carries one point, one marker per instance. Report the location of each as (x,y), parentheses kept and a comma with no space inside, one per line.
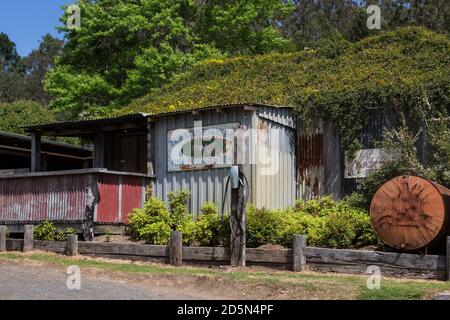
(123,279)
(186,283)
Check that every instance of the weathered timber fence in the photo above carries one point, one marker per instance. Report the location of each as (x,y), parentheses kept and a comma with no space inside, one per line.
(298,259)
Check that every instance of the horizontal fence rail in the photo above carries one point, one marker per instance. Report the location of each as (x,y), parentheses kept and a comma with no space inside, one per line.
(317,259)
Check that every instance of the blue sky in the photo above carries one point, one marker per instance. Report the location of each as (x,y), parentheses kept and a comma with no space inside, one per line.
(26,21)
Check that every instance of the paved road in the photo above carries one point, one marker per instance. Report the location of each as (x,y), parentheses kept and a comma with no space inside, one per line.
(19,282)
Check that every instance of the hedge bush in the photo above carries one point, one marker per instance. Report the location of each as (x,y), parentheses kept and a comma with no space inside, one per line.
(154,223)
(325,222)
(47,231)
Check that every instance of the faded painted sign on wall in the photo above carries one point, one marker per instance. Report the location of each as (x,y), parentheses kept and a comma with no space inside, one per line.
(365,162)
(201,147)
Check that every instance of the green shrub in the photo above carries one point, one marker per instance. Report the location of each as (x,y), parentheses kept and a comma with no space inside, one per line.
(365,234)
(108,235)
(157,210)
(339,231)
(303,223)
(138,219)
(325,222)
(209,208)
(62,234)
(178,206)
(319,207)
(263,226)
(45,231)
(155,233)
(154,223)
(188,227)
(212,229)
(151,224)
(355,200)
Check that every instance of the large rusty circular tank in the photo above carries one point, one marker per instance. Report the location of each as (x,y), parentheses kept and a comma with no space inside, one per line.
(410,212)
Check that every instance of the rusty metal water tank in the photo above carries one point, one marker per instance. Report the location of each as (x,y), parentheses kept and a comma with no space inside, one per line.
(410,212)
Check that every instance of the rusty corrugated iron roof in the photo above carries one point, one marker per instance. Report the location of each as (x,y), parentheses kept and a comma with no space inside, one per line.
(82,122)
(79,123)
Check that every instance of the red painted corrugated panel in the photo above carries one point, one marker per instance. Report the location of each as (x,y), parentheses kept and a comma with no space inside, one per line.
(108,205)
(132,194)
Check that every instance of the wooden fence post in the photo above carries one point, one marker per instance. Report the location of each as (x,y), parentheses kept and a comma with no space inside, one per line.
(448,258)
(28,238)
(3,231)
(176,248)
(299,253)
(72,245)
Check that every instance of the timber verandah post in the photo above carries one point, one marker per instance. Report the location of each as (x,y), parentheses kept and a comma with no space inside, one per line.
(35,151)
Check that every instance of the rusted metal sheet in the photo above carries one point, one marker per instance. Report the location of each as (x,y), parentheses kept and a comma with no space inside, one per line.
(132,195)
(310,162)
(38,198)
(118,196)
(108,199)
(62,197)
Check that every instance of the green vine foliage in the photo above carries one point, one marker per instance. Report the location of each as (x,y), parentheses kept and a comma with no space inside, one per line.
(403,71)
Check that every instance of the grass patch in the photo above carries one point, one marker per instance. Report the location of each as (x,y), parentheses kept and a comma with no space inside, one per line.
(404,290)
(312,285)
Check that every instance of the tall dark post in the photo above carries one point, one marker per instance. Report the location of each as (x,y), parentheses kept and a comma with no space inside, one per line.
(35,151)
(238,225)
(99,150)
(150,151)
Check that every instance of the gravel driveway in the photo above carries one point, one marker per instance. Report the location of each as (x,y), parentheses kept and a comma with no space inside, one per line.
(26,282)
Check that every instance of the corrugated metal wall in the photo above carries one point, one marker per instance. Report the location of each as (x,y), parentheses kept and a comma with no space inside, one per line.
(276,187)
(118,195)
(311,173)
(209,184)
(204,185)
(39,198)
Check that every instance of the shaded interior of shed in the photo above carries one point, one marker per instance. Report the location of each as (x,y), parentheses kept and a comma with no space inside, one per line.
(15,151)
(119,143)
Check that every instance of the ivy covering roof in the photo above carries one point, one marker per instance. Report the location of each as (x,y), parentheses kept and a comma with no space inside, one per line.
(374,71)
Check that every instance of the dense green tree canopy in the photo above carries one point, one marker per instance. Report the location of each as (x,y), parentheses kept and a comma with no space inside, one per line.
(20,113)
(126,48)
